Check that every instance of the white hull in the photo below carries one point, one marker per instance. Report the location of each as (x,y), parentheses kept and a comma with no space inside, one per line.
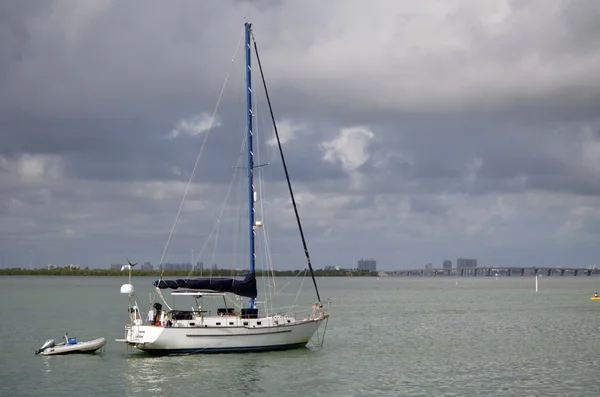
(277,334)
(80,347)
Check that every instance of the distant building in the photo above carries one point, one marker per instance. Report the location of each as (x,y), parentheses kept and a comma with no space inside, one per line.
(428,266)
(462,262)
(147,266)
(199,266)
(367,265)
(447,264)
(176,266)
(115,266)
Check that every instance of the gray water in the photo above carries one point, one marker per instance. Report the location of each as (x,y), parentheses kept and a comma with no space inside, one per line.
(387,337)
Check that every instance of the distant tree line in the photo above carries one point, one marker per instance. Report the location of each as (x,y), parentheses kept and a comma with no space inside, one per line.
(66,271)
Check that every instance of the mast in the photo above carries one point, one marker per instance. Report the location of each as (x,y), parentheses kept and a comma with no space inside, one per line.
(249,115)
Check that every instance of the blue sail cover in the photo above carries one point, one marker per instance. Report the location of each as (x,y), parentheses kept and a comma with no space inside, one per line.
(245,287)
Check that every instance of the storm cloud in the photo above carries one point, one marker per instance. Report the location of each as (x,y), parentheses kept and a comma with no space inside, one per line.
(414,131)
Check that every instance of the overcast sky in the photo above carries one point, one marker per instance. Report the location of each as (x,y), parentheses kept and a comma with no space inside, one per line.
(415,131)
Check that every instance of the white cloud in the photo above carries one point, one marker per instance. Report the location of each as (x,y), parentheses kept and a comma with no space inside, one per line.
(287,130)
(383,158)
(195,125)
(31,170)
(350,147)
(158,190)
(36,168)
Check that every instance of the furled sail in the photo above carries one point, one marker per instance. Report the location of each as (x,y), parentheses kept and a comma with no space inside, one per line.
(245,287)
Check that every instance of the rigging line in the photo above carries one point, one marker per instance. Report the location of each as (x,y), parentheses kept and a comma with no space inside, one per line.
(237,166)
(187,188)
(262,243)
(163,298)
(216,227)
(269,264)
(303,271)
(270,275)
(299,290)
(270,279)
(287,176)
(270,282)
(269,258)
(216,241)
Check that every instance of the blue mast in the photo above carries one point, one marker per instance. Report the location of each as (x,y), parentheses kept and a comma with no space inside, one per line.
(248,30)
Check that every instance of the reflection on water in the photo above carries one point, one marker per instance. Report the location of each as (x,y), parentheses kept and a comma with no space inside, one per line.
(238,374)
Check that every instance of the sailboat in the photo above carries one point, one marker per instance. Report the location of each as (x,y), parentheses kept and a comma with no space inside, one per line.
(165,330)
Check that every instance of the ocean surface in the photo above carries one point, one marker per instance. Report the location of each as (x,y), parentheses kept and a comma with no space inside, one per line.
(386,337)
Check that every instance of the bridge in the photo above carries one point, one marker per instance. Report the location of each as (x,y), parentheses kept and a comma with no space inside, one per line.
(493,271)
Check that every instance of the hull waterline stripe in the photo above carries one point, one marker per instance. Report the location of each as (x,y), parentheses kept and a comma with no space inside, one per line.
(225,349)
(253,334)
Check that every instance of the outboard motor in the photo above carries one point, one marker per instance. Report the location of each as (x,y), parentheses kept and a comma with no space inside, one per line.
(49,343)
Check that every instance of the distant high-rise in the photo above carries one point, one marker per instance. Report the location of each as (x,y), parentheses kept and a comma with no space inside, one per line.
(367,265)
(461,262)
(447,264)
(428,266)
(175,266)
(147,266)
